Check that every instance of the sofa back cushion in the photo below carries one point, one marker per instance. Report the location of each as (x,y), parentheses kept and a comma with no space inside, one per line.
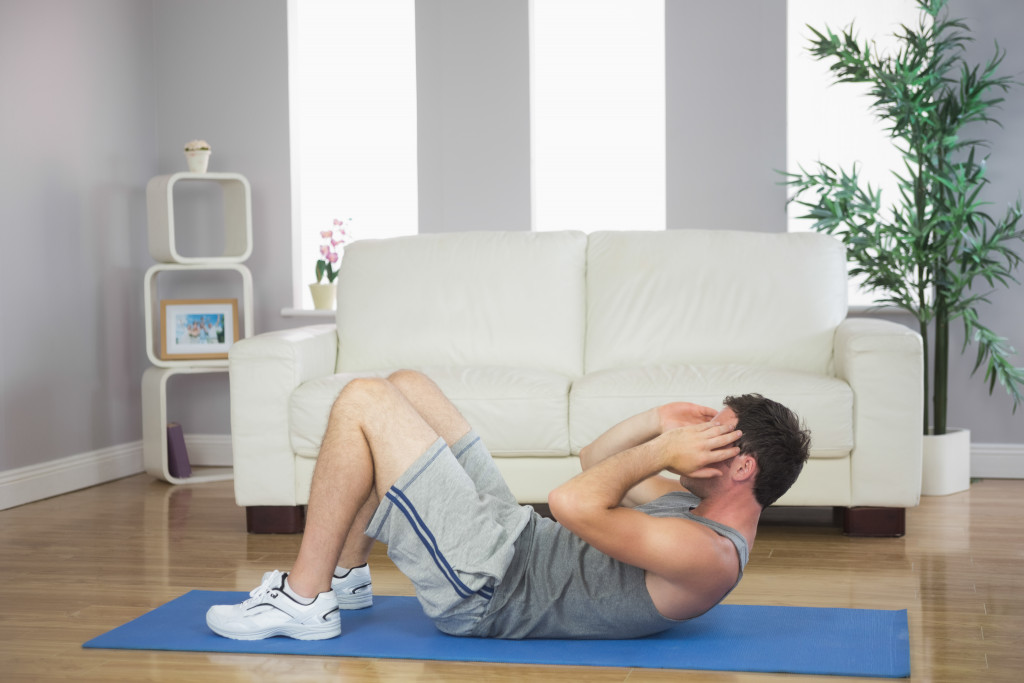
(713,297)
(513,299)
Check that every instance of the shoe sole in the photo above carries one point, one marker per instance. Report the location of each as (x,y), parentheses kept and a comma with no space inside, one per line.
(298,632)
(357,601)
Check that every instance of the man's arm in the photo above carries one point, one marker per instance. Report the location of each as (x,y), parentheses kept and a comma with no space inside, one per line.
(639,429)
(588,505)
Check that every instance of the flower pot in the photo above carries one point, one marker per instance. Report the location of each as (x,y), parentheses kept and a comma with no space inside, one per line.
(947,463)
(323,295)
(198,160)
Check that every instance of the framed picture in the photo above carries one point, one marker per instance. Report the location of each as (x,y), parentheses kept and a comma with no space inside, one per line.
(197,329)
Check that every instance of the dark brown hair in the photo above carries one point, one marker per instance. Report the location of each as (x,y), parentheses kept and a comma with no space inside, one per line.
(772,435)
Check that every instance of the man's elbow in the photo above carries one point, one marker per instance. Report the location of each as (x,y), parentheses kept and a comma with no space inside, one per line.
(564,503)
(585,457)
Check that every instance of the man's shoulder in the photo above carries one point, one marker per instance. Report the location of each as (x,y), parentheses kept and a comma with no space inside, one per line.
(673,503)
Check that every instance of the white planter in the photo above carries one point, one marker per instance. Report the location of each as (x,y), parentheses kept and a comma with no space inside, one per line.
(323,295)
(947,463)
(198,160)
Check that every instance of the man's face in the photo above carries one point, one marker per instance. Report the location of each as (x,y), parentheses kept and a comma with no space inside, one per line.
(703,487)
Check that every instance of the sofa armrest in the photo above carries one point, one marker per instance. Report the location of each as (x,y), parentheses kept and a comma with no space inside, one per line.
(883,362)
(264,371)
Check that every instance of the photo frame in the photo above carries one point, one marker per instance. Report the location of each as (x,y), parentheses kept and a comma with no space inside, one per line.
(197,329)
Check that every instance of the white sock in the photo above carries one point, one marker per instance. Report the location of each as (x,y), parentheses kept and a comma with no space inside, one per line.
(295,596)
(342,572)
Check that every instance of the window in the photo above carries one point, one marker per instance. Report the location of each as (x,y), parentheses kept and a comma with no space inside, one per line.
(597,89)
(833,123)
(352,73)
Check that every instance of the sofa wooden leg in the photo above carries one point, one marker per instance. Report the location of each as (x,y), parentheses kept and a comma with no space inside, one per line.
(874,522)
(275,519)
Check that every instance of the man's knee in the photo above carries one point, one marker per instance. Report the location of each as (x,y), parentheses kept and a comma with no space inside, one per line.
(362,392)
(409,379)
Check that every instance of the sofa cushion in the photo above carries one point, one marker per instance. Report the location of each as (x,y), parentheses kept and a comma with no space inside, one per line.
(602,399)
(516,411)
(713,297)
(463,299)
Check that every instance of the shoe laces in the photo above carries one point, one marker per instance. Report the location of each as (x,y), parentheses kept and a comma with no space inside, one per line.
(272,581)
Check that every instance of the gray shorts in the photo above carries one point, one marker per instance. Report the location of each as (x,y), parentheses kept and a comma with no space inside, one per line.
(450,524)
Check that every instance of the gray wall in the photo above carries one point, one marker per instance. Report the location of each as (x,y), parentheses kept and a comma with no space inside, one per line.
(78,120)
(989,417)
(473,111)
(725,75)
(100,96)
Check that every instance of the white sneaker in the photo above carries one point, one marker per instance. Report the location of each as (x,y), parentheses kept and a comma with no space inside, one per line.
(354,590)
(270,611)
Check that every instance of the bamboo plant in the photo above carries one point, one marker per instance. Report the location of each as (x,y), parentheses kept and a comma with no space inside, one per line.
(934,250)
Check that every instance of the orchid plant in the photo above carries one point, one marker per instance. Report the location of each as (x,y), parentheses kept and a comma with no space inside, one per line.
(335,240)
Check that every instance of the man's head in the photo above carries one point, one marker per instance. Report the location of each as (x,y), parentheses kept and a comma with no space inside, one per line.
(773,436)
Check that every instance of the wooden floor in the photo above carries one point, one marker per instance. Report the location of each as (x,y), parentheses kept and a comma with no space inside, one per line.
(76,566)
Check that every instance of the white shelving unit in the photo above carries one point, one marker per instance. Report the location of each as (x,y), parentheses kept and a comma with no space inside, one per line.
(163,248)
(237,217)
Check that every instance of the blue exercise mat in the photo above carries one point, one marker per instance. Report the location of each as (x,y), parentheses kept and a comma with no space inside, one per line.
(806,640)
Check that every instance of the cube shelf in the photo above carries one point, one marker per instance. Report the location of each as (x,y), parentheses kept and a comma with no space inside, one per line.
(163,248)
(152,304)
(237,217)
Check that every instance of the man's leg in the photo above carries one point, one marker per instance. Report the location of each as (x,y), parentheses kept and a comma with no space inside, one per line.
(430,402)
(446,420)
(374,433)
(441,415)
(372,438)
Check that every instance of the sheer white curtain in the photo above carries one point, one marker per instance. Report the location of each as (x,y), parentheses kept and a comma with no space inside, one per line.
(832,123)
(352,70)
(597,88)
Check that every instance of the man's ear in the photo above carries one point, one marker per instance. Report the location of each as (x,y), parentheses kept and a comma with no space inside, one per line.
(744,467)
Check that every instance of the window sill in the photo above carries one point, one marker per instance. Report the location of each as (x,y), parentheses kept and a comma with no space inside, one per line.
(873,309)
(306,313)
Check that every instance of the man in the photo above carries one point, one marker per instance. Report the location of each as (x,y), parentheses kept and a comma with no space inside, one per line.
(632,552)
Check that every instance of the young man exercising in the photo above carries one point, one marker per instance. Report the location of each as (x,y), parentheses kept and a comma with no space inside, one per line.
(632,552)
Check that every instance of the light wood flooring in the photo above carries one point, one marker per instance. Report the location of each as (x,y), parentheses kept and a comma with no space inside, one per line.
(76,566)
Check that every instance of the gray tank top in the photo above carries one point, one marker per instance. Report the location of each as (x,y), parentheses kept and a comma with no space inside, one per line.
(558,586)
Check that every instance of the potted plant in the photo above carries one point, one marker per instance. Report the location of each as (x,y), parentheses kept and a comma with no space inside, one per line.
(933,250)
(197,154)
(334,243)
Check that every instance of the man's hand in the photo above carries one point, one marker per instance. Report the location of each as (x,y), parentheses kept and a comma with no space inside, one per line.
(675,415)
(690,450)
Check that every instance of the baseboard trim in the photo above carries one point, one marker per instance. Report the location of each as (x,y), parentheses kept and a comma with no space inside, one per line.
(997,460)
(64,475)
(56,477)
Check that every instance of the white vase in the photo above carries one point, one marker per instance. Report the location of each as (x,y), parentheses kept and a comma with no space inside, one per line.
(198,160)
(323,295)
(947,463)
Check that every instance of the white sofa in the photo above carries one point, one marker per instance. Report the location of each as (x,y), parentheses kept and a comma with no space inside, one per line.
(544,340)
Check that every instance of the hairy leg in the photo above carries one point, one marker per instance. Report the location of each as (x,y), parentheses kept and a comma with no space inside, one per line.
(443,417)
(431,403)
(373,435)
